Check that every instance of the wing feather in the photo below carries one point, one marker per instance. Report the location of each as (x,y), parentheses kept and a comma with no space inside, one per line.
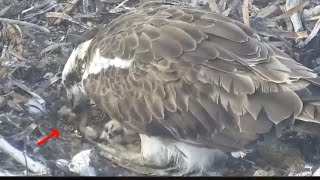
(196,76)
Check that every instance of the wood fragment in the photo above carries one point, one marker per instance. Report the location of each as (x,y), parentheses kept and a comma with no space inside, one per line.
(18,98)
(50,6)
(66,17)
(38,5)
(33,166)
(5,10)
(24,23)
(313,33)
(295,17)
(87,16)
(17,56)
(121,4)
(68,8)
(277,43)
(294,35)
(52,47)
(227,12)
(14,105)
(245,13)
(25,88)
(267,11)
(48,83)
(291,11)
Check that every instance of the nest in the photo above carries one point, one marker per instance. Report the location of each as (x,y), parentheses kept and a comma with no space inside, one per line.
(36,38)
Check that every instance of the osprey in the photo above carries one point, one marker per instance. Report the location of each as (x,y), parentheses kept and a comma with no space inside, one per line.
(192,83)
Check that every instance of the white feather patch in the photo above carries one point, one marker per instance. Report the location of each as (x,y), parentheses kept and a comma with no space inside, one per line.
(186,157)
(98,63)
(76,55)
(238,154)
(80,164)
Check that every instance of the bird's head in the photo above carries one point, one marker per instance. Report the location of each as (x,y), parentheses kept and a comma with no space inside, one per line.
(113,132)
(72,78)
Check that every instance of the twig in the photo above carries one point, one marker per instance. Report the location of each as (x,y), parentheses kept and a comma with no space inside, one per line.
(313,33)
(25,88)
(48,83)
(267,11)
(66,17)
(50,6)
(121,4)
(37,6)
(245,13)
(24,23)
(291,11)
(52,47)
(34,166)
(227,12)
(17,56)
(116,9)
(5,10)
(295,17)
(68,8)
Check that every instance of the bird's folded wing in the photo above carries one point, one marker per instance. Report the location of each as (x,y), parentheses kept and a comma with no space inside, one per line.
(193,75)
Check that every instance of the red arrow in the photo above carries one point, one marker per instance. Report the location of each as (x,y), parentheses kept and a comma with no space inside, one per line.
(54,133)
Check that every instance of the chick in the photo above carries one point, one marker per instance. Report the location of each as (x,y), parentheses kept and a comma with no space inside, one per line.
(115,133)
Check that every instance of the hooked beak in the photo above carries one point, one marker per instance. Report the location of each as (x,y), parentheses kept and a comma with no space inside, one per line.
(104,135)
(79,102)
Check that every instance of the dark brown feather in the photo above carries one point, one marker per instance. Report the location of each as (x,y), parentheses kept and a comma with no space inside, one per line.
(196,76)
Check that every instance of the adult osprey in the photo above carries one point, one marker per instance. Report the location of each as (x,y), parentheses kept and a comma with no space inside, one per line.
(192,83)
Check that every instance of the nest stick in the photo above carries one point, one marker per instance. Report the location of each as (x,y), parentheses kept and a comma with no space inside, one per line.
(33,166)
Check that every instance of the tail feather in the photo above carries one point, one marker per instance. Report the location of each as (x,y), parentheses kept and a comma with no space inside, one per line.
(309,119)
(314,81)
(310,96)
(310,112)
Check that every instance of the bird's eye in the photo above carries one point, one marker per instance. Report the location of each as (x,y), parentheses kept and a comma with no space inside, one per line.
(117,132)
(66,83)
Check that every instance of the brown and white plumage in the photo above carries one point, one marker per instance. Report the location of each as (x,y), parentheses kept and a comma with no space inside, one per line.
(192,77)
(114,132)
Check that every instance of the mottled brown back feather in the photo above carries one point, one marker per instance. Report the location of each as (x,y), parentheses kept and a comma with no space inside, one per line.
(196,76)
